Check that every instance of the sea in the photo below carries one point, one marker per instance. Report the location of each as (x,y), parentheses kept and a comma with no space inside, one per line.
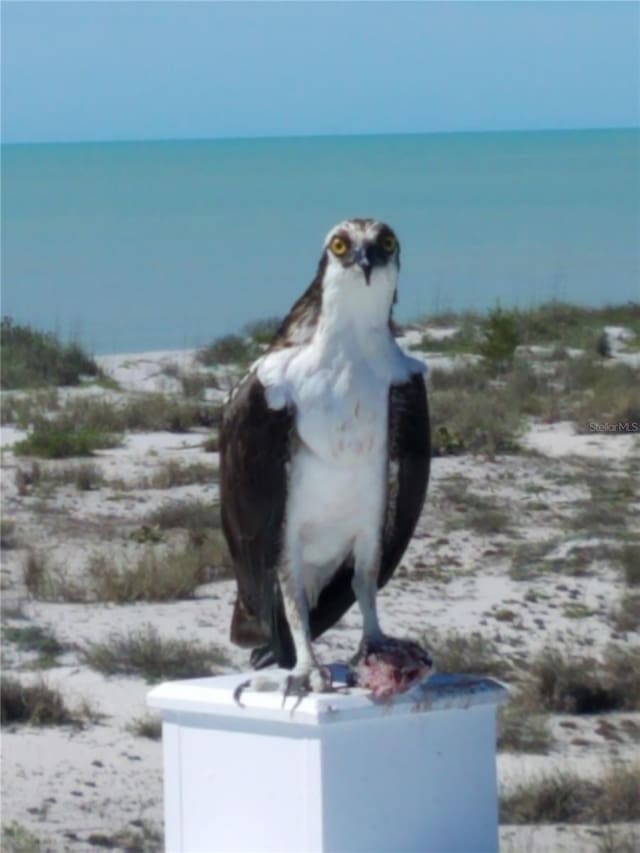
(136,246)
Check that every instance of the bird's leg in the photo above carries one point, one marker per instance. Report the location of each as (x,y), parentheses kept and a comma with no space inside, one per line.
(308,675)
(383,664)
(365,587)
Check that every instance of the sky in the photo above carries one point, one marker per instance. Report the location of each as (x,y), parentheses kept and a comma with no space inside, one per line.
(146,70)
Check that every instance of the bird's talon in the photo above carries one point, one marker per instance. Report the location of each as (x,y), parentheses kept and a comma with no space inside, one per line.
(318,680)
(237,693)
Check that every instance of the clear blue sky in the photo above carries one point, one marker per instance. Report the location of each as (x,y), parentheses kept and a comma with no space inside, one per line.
(125,70)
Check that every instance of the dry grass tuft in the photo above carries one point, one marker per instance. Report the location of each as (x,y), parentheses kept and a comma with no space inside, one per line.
(533,559)
(139,837)
(613,398)
(473,654)
(18,839)
(521,731)
(47,583)
(580,685)
(626,616)
(85,476)
(8,537)
(482,513)
(154,577)
(193,515)
(194,385)
(629,560)
(562,797)
(22,408)
(173,473)
(160,574)
(36,704)
(145,653)
(27,478)
(148,727)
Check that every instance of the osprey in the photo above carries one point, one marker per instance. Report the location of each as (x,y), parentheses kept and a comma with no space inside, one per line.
(324,462)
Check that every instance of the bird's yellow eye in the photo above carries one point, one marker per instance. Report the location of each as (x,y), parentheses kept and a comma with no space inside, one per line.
(339,246)
(389,243)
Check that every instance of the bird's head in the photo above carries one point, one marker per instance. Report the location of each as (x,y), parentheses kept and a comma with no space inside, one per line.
(361,261)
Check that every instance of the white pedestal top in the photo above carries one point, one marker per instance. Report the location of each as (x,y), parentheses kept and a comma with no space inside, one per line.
(337,772)
(215,696)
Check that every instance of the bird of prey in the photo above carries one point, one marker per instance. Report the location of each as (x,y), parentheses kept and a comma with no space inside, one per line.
(324,463)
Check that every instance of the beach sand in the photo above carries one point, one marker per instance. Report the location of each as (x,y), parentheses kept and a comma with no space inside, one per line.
(79,788)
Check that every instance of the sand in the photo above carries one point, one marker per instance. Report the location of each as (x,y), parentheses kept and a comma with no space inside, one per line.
(74,787)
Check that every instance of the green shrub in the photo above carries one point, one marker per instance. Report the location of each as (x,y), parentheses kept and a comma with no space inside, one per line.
(263,331)
(147,412)
(603,394)
(22,409)
(51,441)
(230,349)
(574,325)
(501,337)
(31,358)
(34,638)
(470,377)
(555,322)
(479,421)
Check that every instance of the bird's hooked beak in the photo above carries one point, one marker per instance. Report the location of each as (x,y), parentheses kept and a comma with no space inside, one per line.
(363,260)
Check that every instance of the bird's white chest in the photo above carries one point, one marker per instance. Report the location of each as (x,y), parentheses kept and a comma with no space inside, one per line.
(339,389)
(342,411)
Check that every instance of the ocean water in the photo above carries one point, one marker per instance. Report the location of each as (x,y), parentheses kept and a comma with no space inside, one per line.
(153,245)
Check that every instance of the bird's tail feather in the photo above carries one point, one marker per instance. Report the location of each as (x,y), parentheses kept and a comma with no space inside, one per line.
(262,657)
(246,630)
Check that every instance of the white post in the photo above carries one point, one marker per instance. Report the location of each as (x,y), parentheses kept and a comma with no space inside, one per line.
(339,773)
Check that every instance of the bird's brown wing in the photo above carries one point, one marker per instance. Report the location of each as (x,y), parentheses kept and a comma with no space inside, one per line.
(408,474)
(254,452)
(407,478)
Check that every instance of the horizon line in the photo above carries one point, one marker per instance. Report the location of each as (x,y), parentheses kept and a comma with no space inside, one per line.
(309,136)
